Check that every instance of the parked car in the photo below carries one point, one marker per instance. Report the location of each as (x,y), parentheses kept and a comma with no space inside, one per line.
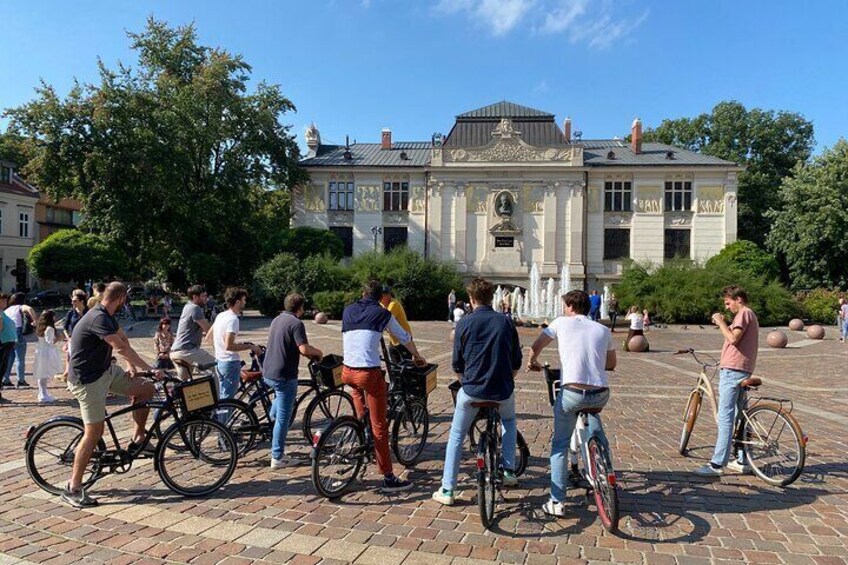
(48,299)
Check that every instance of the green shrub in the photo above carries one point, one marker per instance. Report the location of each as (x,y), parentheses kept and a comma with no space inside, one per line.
(303,242)
(333,302)
(681,292)
(285,273)
(748,257)
(72,255)
(821,304)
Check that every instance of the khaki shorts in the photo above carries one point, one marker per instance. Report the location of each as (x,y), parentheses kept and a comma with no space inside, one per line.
(190,356)
(92,396)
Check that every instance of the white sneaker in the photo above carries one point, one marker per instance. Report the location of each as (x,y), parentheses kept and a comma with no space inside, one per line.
(742,468)
(442,497)
(708,471)
(46,399)
(281,463)
(554,508)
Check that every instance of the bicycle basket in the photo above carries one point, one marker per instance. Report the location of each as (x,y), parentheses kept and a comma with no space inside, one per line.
(421,381)
(330,371)
(197,394)
(553,381)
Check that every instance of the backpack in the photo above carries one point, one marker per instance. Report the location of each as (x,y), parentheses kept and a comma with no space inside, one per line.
(28,327)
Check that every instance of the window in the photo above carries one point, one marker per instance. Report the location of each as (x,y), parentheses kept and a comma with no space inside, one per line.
(616,243)
(23,226)
(395,196)
(678,195)
(5,175)
(59,216)
(394,237)
(617,196)
(341,196)
(346,235)
(677,244)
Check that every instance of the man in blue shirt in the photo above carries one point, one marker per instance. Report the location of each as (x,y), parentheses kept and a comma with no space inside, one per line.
(486,357)
(595,306)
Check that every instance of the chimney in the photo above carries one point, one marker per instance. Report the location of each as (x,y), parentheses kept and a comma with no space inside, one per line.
(566,129)
(387,139)
(636,136)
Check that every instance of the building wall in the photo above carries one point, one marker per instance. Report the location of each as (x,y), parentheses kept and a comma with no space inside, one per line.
(13,247)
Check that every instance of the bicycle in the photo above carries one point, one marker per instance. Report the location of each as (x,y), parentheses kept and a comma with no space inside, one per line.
(489,462)
(758,427)
(597,473)
(478,427)
(195,446)
(341,451)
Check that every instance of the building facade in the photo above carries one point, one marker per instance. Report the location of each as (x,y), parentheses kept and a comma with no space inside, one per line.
(507,188)
(17,228)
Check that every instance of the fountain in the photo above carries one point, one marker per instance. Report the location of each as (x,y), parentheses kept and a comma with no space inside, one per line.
(497,301)
(605,302)
(535,291)
(518,307)
(550,301)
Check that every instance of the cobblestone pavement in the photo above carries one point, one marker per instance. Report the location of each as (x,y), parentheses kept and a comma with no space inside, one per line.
(668,515)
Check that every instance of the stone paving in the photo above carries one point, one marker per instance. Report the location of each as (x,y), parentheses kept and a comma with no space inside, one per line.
(668,514)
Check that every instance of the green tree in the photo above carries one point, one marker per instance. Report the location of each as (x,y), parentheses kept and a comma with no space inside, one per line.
(748,257)
(71,255)
(171,157)
(305,241)
(768,143)
(16,148)
(810,226)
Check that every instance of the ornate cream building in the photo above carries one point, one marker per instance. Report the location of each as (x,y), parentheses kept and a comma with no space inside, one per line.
(507,187)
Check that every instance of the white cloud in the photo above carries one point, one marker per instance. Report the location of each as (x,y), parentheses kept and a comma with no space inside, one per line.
(500,16)
(598,24)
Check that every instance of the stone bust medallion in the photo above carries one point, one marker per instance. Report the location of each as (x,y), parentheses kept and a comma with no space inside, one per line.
(505,204)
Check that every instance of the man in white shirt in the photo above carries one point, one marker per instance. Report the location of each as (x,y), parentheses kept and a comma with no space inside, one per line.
(224,333)
(586,353)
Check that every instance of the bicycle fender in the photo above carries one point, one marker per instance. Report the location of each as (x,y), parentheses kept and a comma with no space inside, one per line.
(316,437)
(32,429)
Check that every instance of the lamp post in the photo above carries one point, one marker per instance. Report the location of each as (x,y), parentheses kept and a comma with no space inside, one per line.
(375,231)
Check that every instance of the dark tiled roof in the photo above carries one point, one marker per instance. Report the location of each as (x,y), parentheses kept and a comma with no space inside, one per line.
(372,155)
(19,186)
(504,109)
(595,154)
(477,133)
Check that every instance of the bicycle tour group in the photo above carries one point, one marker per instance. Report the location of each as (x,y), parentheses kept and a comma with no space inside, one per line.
(486,358)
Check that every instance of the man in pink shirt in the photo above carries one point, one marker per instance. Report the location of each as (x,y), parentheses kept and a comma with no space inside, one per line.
(738,356)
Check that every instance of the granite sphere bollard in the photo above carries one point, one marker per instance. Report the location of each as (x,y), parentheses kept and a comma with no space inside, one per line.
(321,318)
(777,339)
(796,324)
(815,332)
(637,344)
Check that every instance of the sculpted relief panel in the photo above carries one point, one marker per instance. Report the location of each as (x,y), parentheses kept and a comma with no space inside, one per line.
(534,199)
(368,198)
(416,199)
(711,200)
(649,199)
(595,195)
(476,200)
(313,198)
(515,150)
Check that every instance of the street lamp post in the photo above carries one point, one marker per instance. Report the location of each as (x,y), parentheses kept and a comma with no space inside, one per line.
(375,231)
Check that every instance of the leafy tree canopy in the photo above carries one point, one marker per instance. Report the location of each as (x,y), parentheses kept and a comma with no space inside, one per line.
(810,226)
(768,143)
(71,255)
(748,257)
(171,157)
(305,241)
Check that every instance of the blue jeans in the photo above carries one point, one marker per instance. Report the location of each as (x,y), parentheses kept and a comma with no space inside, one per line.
(285,394)
(844,328)
(20,356)
(463,417)
(568,404)
(229,374)
(730,399)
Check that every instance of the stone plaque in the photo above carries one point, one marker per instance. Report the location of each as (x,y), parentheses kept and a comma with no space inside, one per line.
(504,241)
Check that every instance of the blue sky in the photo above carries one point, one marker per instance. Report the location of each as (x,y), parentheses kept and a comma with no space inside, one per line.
(356,66)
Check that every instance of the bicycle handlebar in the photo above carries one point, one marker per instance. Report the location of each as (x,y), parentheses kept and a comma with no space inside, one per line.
(699,360)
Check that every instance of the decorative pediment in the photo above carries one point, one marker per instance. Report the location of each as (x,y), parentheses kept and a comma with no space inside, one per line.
(508,147)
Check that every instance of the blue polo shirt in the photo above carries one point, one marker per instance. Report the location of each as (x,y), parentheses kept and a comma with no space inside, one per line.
(486,351)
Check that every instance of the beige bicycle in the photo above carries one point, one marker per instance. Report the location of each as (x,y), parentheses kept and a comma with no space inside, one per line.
(765,430)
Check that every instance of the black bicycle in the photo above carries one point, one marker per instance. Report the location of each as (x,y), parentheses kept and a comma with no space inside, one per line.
(342,450)
(489,462)
(195,456)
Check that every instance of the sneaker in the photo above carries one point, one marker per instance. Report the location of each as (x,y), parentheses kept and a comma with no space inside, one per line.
(78,499)
(46,399)
(709,471)
(23,384)
(741,468)
(509,479)
(394,484)
(445,497)
(148,449)
(554,508)
(281,463)
(8,383)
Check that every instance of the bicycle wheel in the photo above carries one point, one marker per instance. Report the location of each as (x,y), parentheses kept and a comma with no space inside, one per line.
(338,457)
(50,455)
(774,444)
(323,409)
(486,487)
(203,463)
(603,477)
(522,451)
(241,421)
(693,408)
(409,432)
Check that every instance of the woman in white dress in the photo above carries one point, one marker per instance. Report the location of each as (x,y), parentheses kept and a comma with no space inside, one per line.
(48,358)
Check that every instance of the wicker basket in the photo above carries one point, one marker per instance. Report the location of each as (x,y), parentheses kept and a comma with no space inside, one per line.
(330,371)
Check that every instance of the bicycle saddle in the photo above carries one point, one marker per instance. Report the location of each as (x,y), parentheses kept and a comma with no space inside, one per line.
(205,366)
(596,410)
(486,404)
(250,376)
(751,382)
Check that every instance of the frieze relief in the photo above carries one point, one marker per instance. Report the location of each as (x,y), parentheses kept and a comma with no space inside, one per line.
(395,218)
(417,196)
(476,200)
(514,150)
(340,217)
(678,219)
(617,219)
(595,195)
(368,199)
(313,198)
(649,200)
(534,199)
(711,200)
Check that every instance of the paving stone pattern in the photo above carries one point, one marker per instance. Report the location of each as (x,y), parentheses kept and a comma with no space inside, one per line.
(668,515)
